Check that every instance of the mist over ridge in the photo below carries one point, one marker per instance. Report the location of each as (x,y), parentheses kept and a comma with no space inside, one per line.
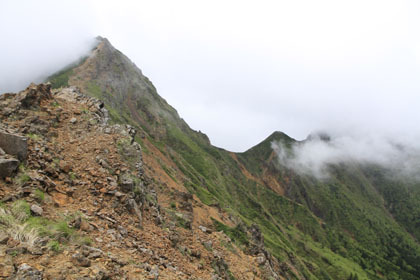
(400,154)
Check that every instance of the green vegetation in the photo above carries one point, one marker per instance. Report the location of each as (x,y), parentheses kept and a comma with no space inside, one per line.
(72,176)
(54,246)
(54,104)
(39,195)
(236,234)
(17,222)
(22,177)
(34,137)
(86,241)
(61,78)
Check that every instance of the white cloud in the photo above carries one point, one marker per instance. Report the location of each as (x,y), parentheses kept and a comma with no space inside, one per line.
(315,155)
(39,38)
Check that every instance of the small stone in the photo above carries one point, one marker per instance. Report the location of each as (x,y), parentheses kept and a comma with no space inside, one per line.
(37,210)
(154,272)
(91,252)
(204,229)
(77,222)
(95,255)
(80,260)
(196,254)
(208,244)
(65,166)
(73,120)
(118,194)
(85,226)
(122,231)
(261,259)
(100,273)
(37,251)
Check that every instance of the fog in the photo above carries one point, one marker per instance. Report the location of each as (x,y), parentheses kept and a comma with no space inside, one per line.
(239,70)
(38,38)
(398,154)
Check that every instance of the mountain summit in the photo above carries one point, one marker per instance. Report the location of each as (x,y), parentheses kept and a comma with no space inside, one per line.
(189,210)
(109,75)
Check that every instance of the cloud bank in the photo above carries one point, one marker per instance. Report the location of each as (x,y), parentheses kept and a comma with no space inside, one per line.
(38,38)
(319,151)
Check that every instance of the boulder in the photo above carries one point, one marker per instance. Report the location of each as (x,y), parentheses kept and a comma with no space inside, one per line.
(14,145)
(8,166)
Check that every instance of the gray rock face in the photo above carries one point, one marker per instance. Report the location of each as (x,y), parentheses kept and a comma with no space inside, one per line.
(8,166)
(14,145)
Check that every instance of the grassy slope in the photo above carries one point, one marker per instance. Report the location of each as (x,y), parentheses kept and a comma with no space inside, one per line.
(351,206)
(332,229)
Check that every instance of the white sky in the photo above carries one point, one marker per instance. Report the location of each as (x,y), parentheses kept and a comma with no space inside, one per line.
(239,70)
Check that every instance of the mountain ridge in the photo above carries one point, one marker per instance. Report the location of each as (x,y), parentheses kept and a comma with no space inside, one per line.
(333,229)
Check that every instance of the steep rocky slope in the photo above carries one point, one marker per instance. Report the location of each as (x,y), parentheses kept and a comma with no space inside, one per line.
(282,225)
(81,205)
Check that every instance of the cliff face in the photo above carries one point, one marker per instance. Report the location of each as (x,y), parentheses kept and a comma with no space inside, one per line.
(359,223)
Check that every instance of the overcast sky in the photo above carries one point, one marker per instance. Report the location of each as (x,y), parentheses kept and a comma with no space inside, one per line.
(239,70)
